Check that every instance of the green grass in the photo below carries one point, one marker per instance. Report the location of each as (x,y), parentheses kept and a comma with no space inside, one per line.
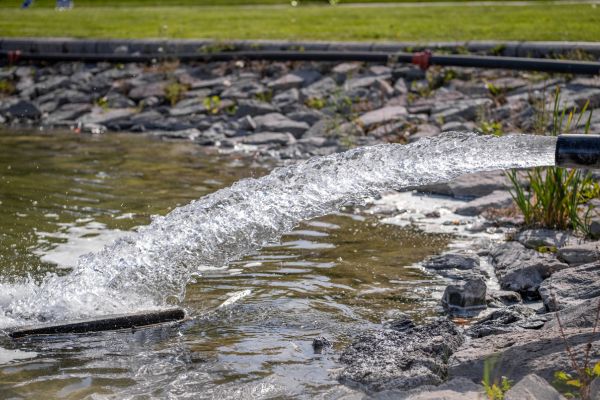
(148,3)
(534,22)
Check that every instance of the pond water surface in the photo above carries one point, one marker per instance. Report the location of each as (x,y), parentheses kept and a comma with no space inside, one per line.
(253,323)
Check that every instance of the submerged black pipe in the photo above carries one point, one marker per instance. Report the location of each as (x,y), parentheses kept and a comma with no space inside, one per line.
(422,59)
(105,323)
(578,151)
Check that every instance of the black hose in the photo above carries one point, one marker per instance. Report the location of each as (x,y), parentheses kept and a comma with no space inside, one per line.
(424,59)
(578,151)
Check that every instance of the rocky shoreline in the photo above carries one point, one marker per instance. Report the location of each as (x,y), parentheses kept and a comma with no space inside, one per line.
(296,110)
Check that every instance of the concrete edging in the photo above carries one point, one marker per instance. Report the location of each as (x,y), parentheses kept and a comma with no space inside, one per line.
(173,46)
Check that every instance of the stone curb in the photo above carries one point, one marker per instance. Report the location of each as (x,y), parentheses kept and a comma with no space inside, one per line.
(173,46)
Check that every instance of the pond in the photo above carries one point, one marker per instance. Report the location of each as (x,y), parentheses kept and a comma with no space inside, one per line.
(253,323)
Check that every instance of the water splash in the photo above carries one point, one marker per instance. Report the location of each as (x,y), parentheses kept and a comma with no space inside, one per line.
(149,267)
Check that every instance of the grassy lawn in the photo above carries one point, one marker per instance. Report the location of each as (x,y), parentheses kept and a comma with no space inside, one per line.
(147,3)
(532,22)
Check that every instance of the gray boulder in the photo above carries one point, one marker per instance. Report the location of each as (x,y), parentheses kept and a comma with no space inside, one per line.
(253,108)
(533,387)
(68,112)
(584,253)
(381,116)
(508,319)
(465,296)
(455,389)
(571,286)
(285,82)
(156,89)
(471,185)
(275,122)
(21,109)
(520,353)
(496,200)
(582,315)
(287,100)
(452,260)
(320,89)
(401,358)
(276,138)
(536,238)
(459,110)
(424,130)
(523,270)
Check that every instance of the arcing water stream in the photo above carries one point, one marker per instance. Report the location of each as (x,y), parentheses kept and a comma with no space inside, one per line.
(152,266)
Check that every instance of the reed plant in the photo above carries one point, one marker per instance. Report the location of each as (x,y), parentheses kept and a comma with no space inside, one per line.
(554,197)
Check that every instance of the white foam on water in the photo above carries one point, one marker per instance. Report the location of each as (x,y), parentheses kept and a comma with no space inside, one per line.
(148,267)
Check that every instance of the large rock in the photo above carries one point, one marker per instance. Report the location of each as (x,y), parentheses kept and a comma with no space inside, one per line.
(452,260)
(580,254)
(455,389)
(401,358)
(277,138)
(471,185)
(381,116)
(517,354)
(156,89)
(459,110)
(582,315)
(533,387)
(465,296)
(68,112)
(320,88)
(496,200)
(571,286)
(275,122)
(21,109)
(536,238)
(523,270)
(508,319)
(253,108)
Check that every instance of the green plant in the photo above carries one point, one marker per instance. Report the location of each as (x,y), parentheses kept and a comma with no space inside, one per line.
(102,102)
(265,96)
(579,385)
(557,196)
(212,104)
(571,386)
(7,87)
(491,128)
(174,92)
(315,102)
(494,388)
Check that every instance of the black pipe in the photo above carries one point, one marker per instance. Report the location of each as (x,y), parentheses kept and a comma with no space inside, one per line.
(106,323)
(578,151)
(423,59)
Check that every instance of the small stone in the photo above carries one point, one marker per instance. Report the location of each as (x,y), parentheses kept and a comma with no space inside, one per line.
(465,296)
(342,71)
(320,344)
(400,87)
(286,100)
(533,387)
